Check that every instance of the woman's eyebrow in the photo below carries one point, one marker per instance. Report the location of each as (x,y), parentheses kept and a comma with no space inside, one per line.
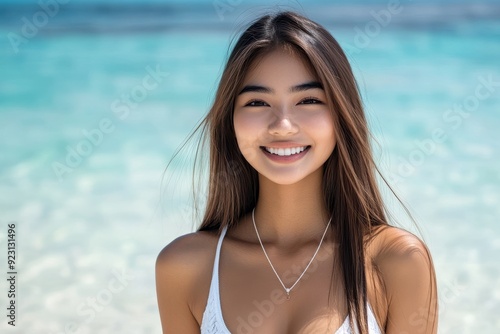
(306,86)
(293,89)
(257,89)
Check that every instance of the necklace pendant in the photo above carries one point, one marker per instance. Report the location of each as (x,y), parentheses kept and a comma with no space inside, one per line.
(287,290)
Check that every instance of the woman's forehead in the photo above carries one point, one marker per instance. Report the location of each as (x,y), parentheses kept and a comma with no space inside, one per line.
(279,67)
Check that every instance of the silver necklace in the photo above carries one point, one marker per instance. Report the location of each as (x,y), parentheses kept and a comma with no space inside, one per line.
(287,290)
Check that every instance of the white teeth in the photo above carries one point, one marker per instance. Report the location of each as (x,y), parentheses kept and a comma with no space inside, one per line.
(285,151)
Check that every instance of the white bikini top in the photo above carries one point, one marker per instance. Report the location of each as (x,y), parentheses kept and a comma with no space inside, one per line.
(213,321)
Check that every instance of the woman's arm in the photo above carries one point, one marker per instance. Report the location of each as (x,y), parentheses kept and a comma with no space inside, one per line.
(175,279)
(410,285)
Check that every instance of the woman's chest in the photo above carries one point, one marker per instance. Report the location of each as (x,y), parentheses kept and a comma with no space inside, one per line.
(253,297)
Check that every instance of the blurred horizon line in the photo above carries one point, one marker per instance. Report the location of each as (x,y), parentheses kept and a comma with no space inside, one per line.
(147,17)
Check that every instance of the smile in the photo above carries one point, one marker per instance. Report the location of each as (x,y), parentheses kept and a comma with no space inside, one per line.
(285,151)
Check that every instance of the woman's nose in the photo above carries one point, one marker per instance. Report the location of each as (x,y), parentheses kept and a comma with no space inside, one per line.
(282,123)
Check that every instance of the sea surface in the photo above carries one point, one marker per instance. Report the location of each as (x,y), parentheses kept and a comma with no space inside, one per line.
(95,98)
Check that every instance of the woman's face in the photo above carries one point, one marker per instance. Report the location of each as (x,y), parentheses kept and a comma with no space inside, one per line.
(283,126)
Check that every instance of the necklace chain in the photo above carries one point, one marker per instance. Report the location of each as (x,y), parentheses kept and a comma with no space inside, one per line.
(287,290)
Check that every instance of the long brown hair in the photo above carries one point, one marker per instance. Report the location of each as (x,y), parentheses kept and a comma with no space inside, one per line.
(350,188)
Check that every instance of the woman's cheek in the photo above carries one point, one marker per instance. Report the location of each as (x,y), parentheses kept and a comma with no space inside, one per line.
(245,131)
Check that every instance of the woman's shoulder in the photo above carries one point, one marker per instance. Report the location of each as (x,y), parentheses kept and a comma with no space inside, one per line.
(403,277)
(188,253)
(183,274)
(394,242)
(187,261)
(400,255)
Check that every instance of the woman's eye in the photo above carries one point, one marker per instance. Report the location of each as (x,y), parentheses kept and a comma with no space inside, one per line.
(256,103)
(310,100)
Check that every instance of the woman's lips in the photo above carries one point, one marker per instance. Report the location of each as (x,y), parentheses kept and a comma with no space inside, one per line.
(285,158)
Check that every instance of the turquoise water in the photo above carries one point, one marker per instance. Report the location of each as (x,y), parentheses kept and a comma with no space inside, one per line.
(81,168)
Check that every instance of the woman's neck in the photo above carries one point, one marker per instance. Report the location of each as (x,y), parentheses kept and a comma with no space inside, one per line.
(290,214)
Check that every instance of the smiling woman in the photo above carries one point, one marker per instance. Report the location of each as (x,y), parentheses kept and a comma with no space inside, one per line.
(282,108)
(296,239)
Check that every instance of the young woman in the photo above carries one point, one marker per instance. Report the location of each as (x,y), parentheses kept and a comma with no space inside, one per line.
(295,237)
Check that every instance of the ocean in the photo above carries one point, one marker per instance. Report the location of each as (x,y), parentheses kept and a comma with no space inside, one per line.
(95,98)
